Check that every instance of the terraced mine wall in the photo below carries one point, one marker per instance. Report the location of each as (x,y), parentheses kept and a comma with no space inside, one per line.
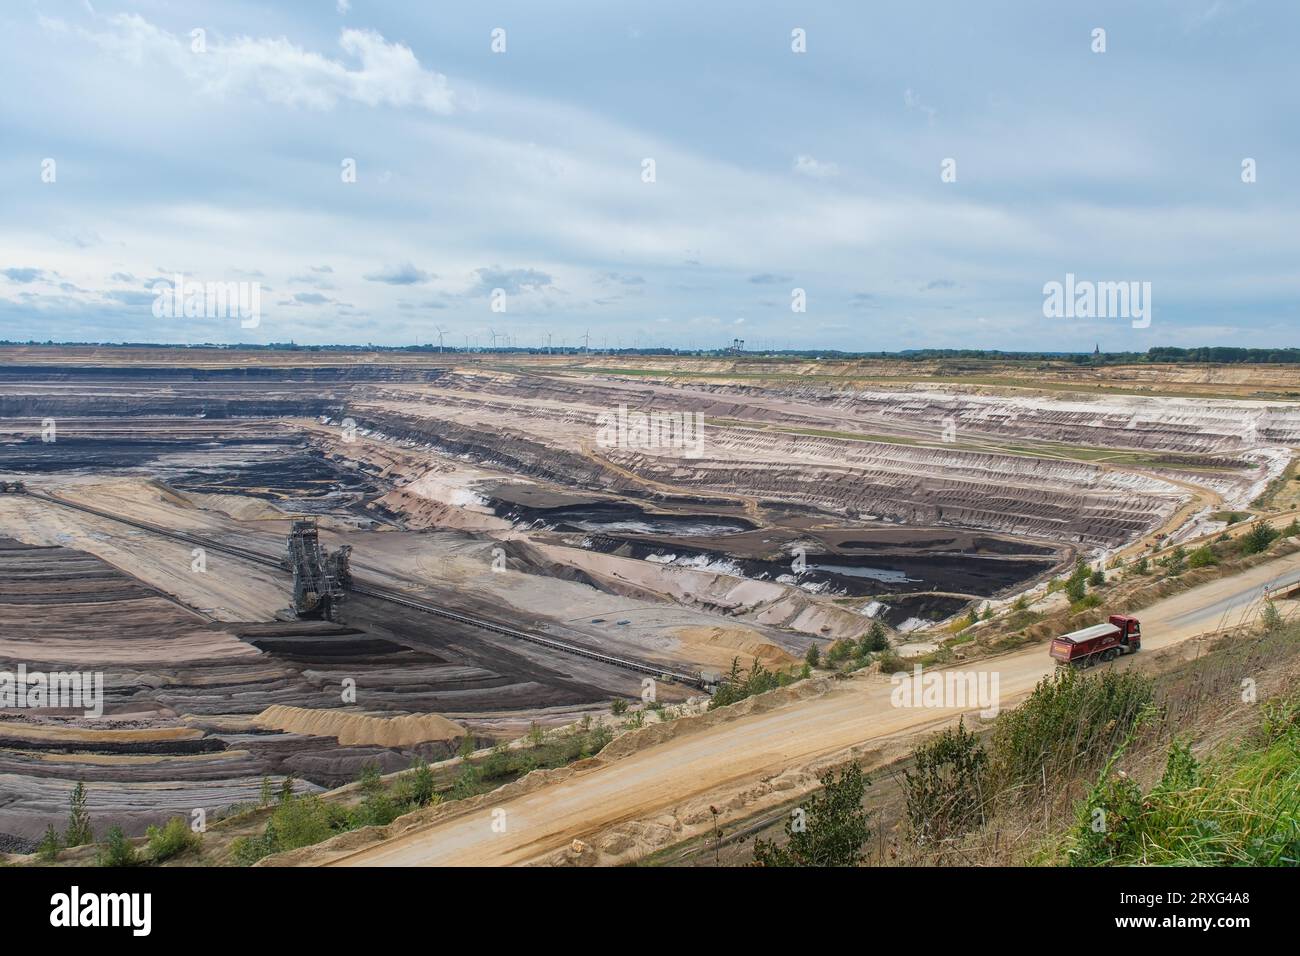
(850,575)
(250,374)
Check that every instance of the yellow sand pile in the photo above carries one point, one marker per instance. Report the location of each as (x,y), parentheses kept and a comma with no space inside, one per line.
(85,735)
(718,645)
(358,728)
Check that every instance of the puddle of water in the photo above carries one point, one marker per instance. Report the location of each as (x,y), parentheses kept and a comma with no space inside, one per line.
(876,574)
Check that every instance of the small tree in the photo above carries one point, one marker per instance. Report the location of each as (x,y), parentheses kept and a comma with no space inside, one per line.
(829,831)
(466,749)
(118,851)
(422,781)
(1258,538)
(1202,557)
(268,792)
(1270,617)
(79,831)
(47,851)
(945,792)
(876,640)
(1077,585)
(1097,578)
(814,656)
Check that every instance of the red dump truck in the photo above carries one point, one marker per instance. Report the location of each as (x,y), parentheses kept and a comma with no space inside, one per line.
(1101,642)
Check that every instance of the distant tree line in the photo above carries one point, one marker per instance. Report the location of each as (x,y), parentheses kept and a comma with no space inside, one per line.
(1217,354)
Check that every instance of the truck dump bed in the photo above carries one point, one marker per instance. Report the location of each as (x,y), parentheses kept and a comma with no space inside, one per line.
(1085,641)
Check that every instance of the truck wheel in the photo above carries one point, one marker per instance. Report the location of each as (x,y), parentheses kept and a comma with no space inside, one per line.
(1109,655)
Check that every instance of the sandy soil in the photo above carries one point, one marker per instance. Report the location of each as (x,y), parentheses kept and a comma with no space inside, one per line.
(352,728)
(717,646)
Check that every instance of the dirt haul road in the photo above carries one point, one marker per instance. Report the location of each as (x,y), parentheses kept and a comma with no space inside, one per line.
(734,755)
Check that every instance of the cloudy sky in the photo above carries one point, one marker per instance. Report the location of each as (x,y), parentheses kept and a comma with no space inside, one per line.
(223,156)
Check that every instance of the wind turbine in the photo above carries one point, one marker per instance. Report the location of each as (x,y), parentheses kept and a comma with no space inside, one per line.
(441,332)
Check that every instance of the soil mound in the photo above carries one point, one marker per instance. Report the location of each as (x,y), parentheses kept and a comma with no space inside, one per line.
(358,729)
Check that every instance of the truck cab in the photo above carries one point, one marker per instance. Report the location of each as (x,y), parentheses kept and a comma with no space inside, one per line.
(1130,632)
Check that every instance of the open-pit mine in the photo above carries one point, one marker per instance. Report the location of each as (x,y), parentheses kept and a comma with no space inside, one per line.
(507,561)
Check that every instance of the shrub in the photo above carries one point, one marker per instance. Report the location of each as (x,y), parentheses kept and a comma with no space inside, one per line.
(618,706)
(47,851)
(172,838)
(378,809)
(829,831)
(298,821)
(1202,557)
(370,779)
(1085,602)
(839,652)
(1069,722)
(1258,538)
(875,640)
(757,681)
(421,778)
(945,791)
(890,662)
(1270,618)
(1107,821)
(118,851)
(245,851)
(1175,562)
(467,746)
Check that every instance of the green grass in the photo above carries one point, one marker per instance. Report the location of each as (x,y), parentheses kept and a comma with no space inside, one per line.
(1241,808)
(301,820)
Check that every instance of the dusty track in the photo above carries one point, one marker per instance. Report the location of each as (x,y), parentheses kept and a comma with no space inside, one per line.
(723,761)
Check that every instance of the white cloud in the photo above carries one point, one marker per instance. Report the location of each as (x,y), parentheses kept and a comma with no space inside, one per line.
(913,101)
(280,71)
(806,165)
